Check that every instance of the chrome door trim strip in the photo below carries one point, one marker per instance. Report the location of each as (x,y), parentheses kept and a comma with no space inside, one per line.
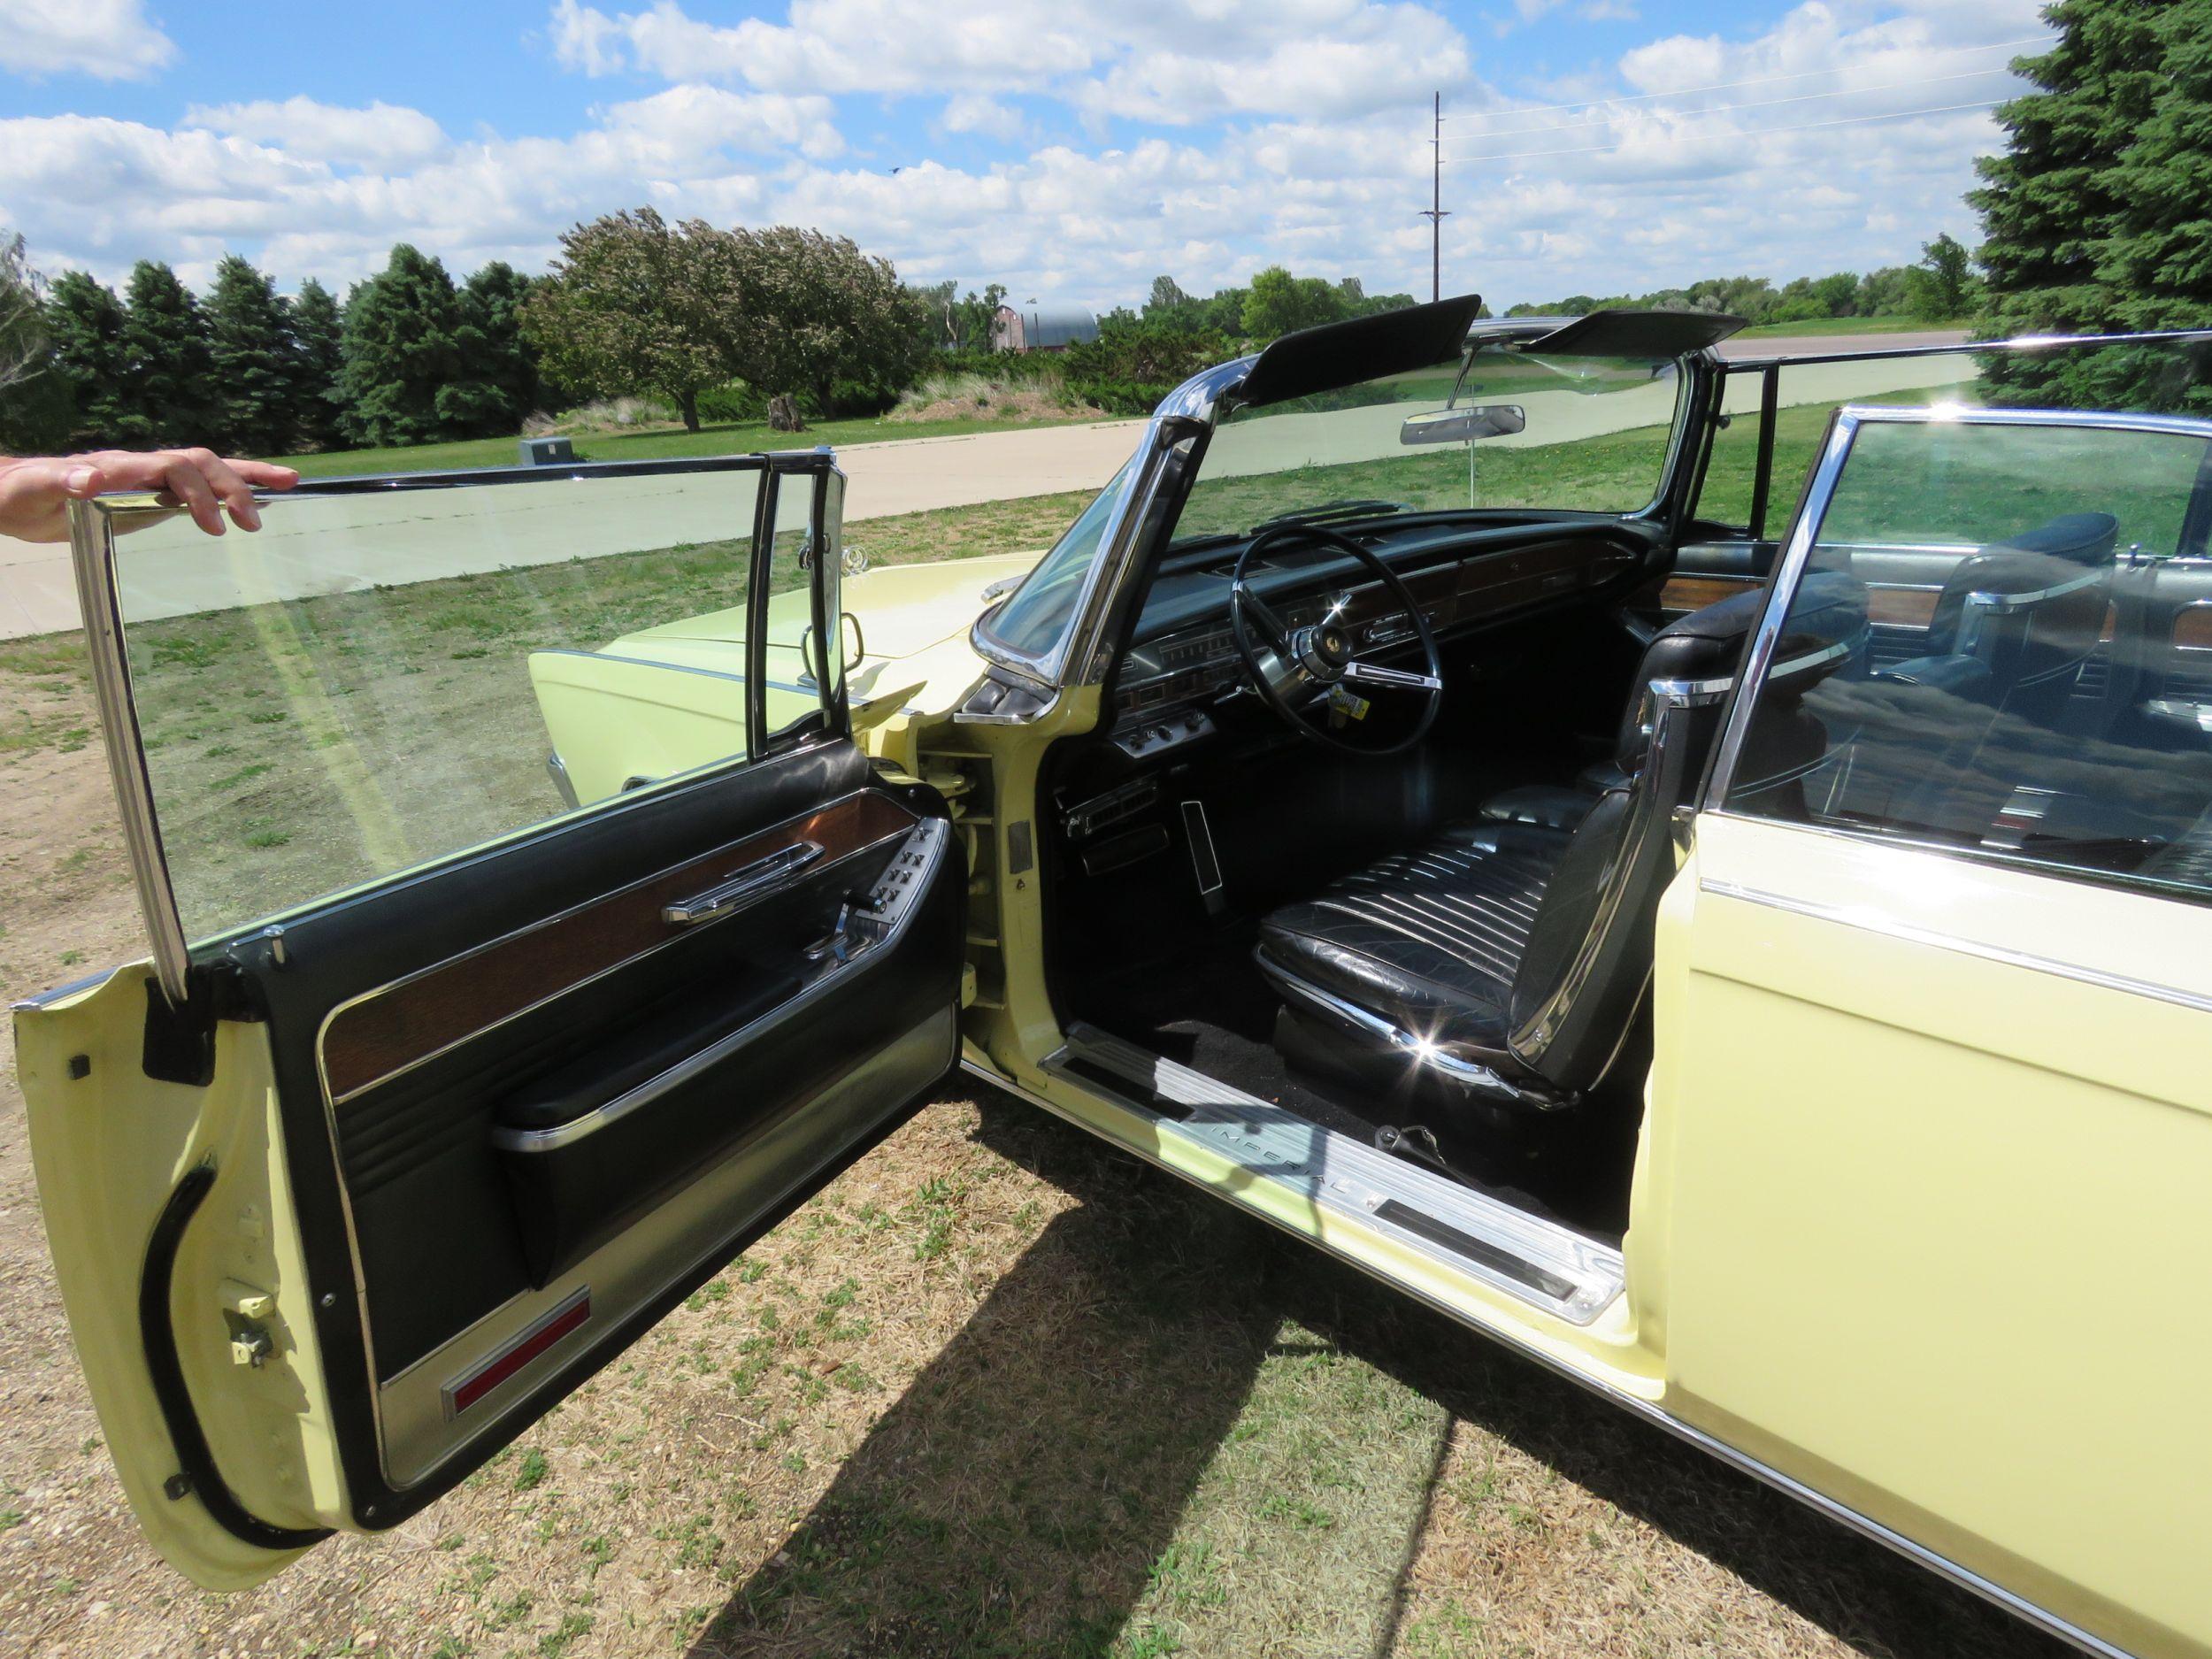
(1871,922)
(330,1117)
(99,600)
(541,924)
(1649,1410)
(831,973)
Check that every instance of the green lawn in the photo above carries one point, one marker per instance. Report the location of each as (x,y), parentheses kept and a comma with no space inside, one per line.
(739,437)
(1847,326)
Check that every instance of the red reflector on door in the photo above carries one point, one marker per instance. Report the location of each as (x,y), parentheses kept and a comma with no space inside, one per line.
(466,1390)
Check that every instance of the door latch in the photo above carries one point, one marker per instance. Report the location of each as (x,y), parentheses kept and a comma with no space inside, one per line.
(245,1311)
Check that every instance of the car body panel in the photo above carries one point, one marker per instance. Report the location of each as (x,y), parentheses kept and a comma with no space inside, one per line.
(666,700)
(1922,1201)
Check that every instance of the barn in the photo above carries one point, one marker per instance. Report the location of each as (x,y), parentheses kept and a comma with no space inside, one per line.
(1035,326)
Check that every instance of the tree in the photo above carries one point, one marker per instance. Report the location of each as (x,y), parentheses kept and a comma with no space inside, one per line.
(85,321)
(414,361)
(2051,204)
(1280,303)
(634,304)
(254,357)
(2157,256)
(1941,287)
(811,310)
(1167,298)
(169,392)
(491,303)
(317,412)
(35,402)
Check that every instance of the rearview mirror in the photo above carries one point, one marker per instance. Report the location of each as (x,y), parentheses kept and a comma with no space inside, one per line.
(1464,425)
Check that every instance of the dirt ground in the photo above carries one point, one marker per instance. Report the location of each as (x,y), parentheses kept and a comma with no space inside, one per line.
(995,1391)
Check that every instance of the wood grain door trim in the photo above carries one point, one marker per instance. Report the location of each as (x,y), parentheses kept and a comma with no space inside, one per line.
(376,1036)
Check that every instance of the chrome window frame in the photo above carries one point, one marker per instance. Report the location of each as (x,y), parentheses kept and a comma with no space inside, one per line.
(92,557)
(1804,537)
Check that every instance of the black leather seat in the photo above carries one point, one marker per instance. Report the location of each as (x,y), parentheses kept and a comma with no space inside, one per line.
(1508,955)
(2015,622)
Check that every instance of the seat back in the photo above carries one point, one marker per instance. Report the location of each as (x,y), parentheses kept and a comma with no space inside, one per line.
(2030,610)
(1589,950)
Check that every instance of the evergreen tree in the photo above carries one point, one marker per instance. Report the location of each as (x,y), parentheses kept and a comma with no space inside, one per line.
(256,367)
(317,414)
(2052,203)
(35,402)
(503,361)
(169,391)
(2157,260)
(406,374)
(85,321)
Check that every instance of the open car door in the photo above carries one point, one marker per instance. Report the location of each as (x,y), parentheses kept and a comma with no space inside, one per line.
(450,1071)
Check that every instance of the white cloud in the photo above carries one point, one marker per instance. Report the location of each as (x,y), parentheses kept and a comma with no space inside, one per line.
(382,134)
(979,113)
(110,40)
(1310,152)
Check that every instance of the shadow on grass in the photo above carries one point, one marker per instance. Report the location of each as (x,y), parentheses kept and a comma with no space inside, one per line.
(1023,1495)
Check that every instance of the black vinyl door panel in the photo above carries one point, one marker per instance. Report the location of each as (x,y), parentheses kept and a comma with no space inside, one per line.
(532,1097)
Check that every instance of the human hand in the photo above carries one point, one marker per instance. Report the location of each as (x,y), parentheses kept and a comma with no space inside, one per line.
(35,490)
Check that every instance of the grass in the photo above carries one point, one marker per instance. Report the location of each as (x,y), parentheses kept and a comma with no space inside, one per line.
(726,438)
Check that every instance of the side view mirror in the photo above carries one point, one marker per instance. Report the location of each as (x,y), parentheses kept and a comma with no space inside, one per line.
(1464,425)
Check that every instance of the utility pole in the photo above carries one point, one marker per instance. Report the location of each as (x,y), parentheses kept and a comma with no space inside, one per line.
(1434,212)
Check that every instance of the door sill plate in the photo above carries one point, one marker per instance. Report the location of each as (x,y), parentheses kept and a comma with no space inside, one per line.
(1537,1261)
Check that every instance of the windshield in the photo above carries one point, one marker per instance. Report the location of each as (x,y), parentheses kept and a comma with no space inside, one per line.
(1514,430)
(1036,614)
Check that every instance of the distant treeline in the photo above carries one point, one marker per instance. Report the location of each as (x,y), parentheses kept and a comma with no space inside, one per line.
(408,356)
(1941,288)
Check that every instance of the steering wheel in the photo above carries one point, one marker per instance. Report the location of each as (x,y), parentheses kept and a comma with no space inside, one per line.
(1320,657)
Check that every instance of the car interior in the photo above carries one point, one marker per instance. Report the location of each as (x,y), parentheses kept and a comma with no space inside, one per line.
(1416,910)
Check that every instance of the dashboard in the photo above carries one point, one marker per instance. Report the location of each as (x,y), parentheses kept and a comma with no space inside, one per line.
(1182,655)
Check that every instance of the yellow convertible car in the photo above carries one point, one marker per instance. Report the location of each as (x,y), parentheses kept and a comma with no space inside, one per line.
(1438,797)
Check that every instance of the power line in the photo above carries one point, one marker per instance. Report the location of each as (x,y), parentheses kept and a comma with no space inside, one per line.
(1757,80)
(1755,103)
(1762,132)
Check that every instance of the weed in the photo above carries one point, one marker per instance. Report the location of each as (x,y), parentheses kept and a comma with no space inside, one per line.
(533,1471)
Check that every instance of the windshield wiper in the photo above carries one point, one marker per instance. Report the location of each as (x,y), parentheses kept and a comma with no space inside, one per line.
(1330,510)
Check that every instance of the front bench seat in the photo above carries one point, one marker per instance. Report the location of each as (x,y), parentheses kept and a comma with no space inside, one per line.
(1509,957)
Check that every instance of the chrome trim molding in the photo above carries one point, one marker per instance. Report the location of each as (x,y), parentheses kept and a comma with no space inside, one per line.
(322,1031)
(830,970)
(99,600)
(742,886)
(1874,922)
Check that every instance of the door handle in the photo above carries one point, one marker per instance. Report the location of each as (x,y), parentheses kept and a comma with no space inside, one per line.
(742,886)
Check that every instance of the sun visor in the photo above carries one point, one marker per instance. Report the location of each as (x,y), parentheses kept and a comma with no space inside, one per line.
(1364,349)
(1650,336)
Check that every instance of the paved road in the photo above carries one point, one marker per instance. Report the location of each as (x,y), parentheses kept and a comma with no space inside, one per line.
(333,546)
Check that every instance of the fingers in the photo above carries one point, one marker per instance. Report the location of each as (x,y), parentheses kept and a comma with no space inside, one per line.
(35,494)
(186,485)
(198,480)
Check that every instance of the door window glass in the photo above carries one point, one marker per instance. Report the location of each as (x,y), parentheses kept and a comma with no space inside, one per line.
(2057,701)
(383,677)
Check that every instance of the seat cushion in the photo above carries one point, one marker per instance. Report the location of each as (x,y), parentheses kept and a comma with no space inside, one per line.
(1428,939)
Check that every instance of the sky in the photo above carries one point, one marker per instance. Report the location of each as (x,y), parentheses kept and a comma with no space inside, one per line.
(1072,151)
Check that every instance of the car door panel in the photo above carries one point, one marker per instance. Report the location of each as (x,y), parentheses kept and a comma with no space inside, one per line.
(428,1152)
(1924,1222)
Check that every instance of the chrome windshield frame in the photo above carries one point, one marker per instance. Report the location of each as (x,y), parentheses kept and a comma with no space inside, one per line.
(1803,532)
